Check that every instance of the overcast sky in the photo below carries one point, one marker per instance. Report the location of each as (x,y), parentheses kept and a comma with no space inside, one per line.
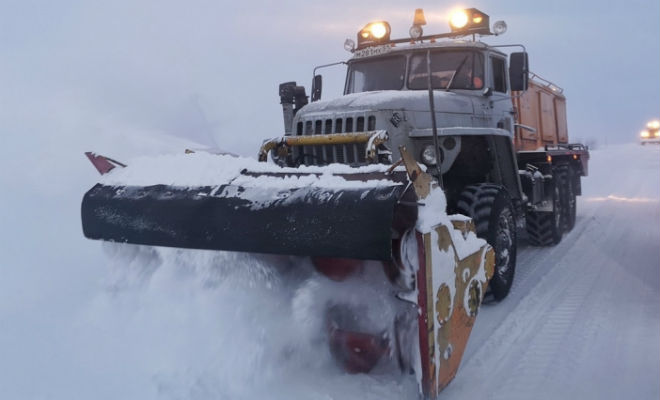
(210,70)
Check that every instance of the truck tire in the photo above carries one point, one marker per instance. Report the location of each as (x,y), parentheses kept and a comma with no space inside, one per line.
(545,228)
(569,206)
(491,209)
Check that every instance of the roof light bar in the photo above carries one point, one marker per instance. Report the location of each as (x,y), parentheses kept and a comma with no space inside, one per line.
(469,21)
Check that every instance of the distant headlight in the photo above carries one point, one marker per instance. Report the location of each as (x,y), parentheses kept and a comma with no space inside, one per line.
(428,155)
(644,134)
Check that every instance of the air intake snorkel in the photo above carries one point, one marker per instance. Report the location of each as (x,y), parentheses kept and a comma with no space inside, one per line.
(291,95)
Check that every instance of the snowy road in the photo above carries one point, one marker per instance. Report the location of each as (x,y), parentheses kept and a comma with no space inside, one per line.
(81,320)
(582,320)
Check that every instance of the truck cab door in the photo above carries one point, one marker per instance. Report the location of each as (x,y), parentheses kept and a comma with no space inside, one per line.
(500,95)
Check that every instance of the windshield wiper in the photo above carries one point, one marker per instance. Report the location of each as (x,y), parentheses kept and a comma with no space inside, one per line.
(456,73)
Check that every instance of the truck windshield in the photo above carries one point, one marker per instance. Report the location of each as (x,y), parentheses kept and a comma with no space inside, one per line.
(467,66)
(377,74)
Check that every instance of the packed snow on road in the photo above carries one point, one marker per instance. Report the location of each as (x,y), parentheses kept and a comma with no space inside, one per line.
(85,319)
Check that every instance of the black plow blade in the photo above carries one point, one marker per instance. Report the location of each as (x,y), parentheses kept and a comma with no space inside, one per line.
(308,221)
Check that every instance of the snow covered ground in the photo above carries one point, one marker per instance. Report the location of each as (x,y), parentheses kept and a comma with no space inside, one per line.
(583,318)
(82,320)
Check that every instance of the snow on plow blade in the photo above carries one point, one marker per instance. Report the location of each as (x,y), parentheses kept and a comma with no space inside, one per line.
(307,221)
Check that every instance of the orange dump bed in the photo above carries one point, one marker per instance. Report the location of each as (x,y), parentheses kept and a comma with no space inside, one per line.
(541,111)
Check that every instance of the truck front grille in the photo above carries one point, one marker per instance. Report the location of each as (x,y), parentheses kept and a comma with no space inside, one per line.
(352,154)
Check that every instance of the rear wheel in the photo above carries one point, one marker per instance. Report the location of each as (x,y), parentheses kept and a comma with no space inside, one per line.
(545,228)
(491,209)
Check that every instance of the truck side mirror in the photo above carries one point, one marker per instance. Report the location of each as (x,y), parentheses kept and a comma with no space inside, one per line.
(317,87)
(519,71)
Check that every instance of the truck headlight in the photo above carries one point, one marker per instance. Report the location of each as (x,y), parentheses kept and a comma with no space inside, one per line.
(428,155)
(644,134)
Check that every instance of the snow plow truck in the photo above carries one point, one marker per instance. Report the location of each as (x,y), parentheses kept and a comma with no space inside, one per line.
(651,134)
(441,149)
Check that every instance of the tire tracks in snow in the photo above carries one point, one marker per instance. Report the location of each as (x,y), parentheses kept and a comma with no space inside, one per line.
(581,320)
(513,361)
(533,264)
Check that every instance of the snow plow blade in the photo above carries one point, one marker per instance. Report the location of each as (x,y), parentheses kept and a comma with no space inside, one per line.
(308,221)
(383,227)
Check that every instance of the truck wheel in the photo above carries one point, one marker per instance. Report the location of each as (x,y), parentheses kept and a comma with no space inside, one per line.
(569,205)
(545,228)
(491,209)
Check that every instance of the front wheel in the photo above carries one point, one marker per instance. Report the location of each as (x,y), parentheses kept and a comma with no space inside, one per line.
(491,209)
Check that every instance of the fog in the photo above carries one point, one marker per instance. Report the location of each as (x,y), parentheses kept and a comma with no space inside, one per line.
(209,71)
(115,77)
